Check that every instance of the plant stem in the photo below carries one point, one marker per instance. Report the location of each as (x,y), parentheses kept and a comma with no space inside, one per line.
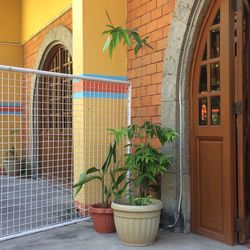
(103,191)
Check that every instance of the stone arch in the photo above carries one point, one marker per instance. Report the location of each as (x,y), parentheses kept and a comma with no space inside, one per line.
(186,24)
(57,35)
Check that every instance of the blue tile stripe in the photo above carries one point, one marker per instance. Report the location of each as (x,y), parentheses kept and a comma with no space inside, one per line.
(99,95)
(10,108)
(106,77)
(10,104)
(10,113)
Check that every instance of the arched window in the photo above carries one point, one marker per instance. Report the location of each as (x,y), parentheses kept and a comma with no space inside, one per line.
(59,60)
(54,120)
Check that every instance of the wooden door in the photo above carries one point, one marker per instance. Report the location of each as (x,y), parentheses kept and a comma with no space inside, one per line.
(213,150)
(242,101)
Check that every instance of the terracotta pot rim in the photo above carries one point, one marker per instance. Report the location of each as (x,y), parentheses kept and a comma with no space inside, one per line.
(100,210)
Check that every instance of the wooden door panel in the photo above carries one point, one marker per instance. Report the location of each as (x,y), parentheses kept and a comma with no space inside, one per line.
(210,154)
(213,155)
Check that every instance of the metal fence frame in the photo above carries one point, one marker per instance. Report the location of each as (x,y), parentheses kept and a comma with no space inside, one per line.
(72,77)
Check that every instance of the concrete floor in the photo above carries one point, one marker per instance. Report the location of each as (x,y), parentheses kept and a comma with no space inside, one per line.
(82,236)
(27,204)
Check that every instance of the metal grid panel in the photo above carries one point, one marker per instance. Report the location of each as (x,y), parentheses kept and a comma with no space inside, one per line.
(52,127)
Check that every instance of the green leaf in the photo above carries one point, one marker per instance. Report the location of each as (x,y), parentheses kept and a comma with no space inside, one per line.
(78,189)
(114,152)
(107,43)
(81,178)
(108,160)
(92,170)
(121,178)
(111,47)
(110,26)
(137,48)
(108,17)
(126,38)
(87,179)
(106,190)
(111,172)
(114,39)
(116,170)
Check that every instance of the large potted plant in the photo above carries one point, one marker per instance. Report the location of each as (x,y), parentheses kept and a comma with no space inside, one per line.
(102,213)
(137,217)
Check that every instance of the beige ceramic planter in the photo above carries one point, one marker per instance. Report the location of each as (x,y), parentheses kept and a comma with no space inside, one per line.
(137,225)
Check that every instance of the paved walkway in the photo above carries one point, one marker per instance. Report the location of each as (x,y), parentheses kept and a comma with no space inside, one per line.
(82,236)
(27,204)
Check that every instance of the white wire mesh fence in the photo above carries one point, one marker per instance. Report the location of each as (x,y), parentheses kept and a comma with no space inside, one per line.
(52,126)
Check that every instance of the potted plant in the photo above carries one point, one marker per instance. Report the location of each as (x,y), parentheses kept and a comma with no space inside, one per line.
(11,161)
(102,213)
(137,217)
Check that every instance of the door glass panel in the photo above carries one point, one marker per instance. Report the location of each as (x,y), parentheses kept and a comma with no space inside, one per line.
(203,79)
(203,109)
(217,18)
(215,110)
(215,76)
(215,43)
(204,58)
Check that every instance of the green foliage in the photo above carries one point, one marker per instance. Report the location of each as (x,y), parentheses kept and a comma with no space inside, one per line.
(118,35)
(144,162)
(117,183)
(139,201)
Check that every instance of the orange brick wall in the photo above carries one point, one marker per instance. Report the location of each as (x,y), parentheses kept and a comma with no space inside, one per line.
(151,18)
(31,47)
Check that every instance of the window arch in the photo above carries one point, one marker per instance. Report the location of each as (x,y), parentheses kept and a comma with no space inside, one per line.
(59,60)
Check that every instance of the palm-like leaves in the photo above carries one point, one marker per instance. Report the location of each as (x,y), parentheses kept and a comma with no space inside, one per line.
(145,162)
(117,35)
(108,187)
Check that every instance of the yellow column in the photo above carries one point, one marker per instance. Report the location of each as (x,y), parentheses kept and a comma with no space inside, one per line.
(94,110)
(78,117)
(78,36)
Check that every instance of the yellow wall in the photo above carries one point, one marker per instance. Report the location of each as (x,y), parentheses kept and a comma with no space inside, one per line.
(10,33)
(95,19)
(11,55)
(10,19)
(91,138)
(36,14)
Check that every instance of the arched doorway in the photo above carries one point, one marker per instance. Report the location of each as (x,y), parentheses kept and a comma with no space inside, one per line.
(53,109)
(179,99)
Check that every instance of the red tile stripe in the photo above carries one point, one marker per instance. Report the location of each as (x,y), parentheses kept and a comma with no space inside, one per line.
(99,87)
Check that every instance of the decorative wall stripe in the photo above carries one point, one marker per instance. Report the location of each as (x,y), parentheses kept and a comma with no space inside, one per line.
(99,87)
(106,77)
(99,95)
(7,108)
(95,89)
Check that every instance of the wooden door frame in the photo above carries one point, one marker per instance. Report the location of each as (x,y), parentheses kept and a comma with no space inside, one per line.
(243,220)
(227,39)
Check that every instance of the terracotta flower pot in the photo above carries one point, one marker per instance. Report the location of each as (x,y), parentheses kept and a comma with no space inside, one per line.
(103,219)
